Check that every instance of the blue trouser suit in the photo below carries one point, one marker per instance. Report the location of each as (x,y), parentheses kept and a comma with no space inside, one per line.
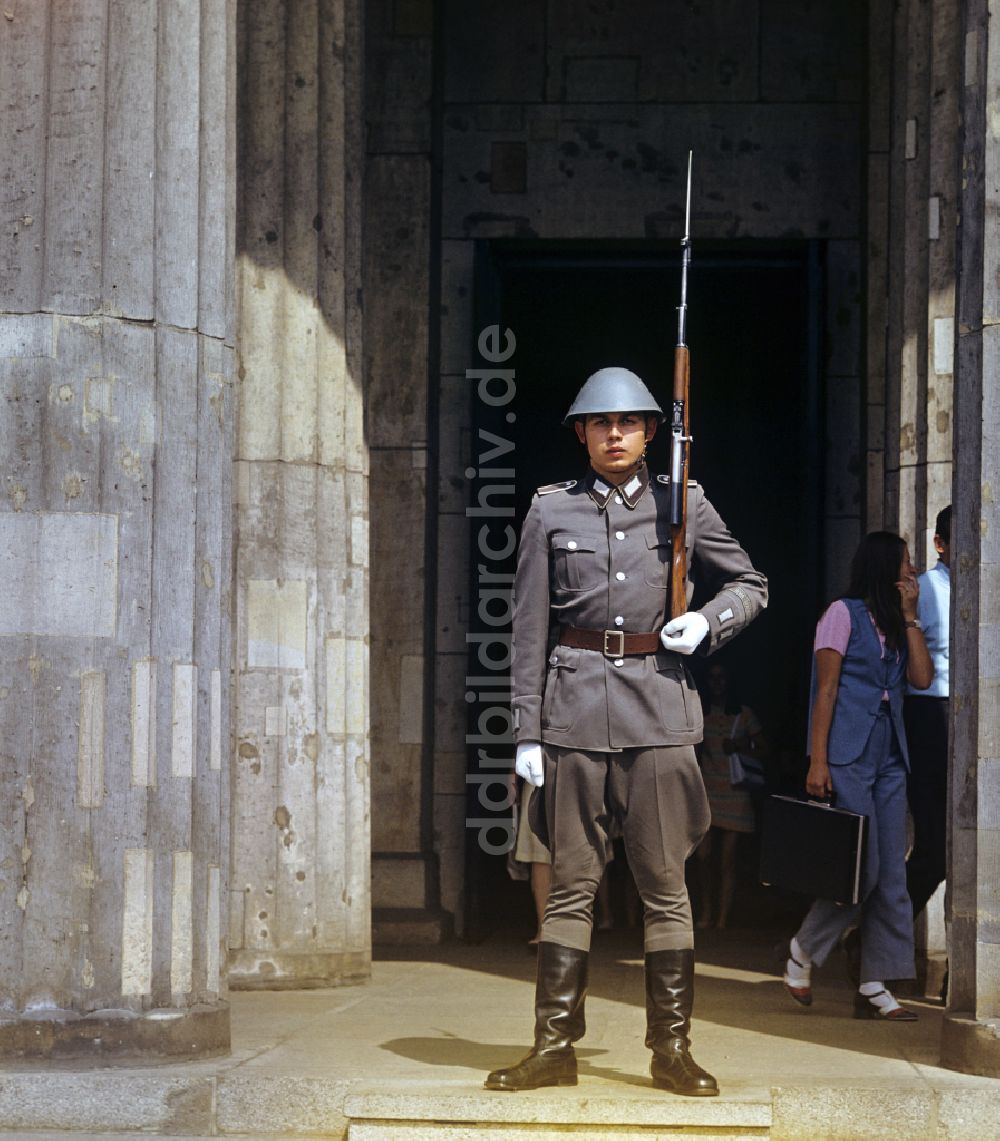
(874,785)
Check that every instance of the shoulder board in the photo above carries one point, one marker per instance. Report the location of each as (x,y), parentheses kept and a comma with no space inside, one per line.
(549,488)
(666,479)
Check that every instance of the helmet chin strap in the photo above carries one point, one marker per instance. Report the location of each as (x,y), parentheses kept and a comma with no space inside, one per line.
(640,462)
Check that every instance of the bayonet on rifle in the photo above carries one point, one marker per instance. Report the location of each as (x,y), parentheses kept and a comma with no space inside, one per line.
(680,437)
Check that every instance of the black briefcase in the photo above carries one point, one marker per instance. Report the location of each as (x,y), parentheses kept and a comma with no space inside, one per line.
(812,848)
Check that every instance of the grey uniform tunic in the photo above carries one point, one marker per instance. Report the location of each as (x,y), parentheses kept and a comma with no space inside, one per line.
(609,568)
(619,731)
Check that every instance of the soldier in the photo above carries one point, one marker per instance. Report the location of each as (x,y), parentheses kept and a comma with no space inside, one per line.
(606,716)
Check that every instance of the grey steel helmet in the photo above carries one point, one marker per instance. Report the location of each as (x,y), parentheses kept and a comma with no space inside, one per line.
(613,389)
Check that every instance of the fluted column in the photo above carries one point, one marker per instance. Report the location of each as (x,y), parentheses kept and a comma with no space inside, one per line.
(300,904)
(116,366)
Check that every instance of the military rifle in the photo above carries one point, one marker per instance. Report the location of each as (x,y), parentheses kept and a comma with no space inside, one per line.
(680,437)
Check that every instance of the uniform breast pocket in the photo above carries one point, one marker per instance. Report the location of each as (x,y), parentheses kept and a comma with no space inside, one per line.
(658,558)
(575,562)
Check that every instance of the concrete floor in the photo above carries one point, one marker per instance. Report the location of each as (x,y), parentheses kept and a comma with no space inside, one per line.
(405,1055)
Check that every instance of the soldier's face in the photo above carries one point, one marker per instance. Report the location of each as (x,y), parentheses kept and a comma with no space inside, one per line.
(615,441)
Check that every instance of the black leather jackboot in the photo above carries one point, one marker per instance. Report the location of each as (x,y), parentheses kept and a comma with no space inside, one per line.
(560,989)
(669,999)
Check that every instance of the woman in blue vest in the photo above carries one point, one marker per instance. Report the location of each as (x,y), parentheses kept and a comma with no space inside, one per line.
(868,645)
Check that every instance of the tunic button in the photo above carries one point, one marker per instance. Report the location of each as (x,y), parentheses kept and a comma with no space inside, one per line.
(620,576)
(619,534)
(619,621)
(619,661)
(618,499)
(572,544)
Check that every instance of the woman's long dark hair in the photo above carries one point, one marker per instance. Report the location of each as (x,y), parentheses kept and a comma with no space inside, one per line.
(874,574)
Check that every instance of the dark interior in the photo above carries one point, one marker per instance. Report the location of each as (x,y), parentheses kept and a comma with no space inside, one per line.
(753,320)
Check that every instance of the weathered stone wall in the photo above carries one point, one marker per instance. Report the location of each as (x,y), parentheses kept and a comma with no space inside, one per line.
(912,207)
(913,193)
(568,120)
(400,214)
(116,367)
(300,904)
(970,1040)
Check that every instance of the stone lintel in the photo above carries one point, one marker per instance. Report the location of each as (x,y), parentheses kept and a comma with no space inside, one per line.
(970,1046)
(200,1032)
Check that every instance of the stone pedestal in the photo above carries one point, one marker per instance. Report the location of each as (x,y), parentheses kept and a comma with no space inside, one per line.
(300,899)
(116,367)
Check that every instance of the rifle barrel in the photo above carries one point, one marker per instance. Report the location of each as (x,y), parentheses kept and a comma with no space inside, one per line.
(679,428)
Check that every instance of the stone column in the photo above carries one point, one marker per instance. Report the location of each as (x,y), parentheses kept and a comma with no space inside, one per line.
(911,221)
(116,366)
(912,210)
(970,1039)
(300,898)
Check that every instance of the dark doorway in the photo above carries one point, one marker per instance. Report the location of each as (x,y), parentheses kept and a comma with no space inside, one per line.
(753,331)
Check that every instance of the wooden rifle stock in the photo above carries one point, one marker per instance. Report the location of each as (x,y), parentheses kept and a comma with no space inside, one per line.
(679,429)
(681,437)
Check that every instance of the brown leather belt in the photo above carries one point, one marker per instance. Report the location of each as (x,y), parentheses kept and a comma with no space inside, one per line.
(611,643)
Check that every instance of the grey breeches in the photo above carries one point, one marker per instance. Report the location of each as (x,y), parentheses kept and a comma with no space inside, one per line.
(657,797)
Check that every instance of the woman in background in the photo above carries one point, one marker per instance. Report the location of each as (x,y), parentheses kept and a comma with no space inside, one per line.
(729,728)
(868,645)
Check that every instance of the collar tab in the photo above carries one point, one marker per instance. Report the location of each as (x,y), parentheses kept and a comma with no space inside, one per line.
(600,491)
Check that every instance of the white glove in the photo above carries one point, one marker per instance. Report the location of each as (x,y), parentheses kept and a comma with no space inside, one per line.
(685,634)
(528,764)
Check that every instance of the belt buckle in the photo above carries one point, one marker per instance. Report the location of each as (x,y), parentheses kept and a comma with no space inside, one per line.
(620,635)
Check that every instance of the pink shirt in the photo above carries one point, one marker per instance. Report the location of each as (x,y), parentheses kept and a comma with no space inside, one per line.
(833,631)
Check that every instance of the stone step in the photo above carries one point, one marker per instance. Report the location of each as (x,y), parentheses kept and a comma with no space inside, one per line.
(255,1105)
(414,1131)
(103,1101)
(251,1106)
(409,926)
(543,1114)
(48,1135)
